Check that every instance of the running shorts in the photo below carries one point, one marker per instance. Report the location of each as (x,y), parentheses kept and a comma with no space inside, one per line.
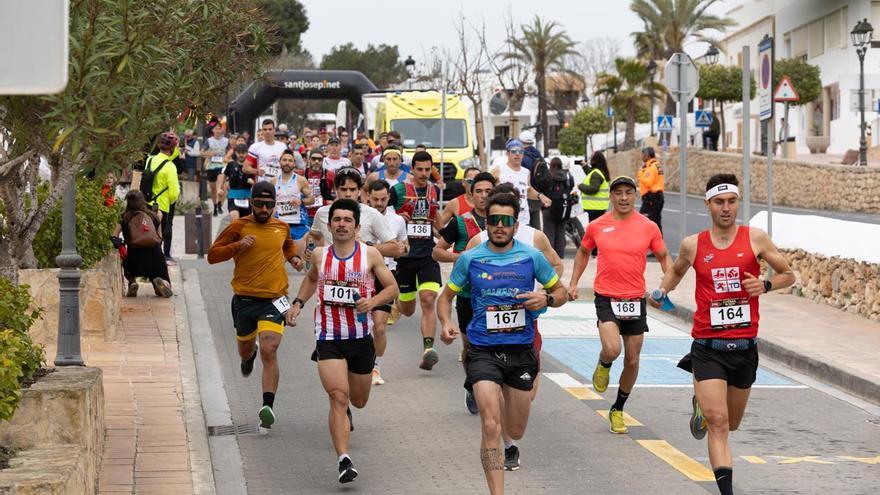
(512,365)
(242,211)
(213,173)
(635,326)
(359,354)
(417,274)
(738,368)
(385,308)
(253,315)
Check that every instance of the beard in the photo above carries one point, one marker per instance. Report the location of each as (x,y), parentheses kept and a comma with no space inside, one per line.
(262,216)
(500,244)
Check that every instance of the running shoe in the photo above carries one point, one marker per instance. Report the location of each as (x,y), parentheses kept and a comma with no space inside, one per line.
(247,365)
(617,423)
(350,419)
(429,359)
(698,422)
(471,402)
(511,458)
(162,287)
(132,289)
(267,417)
(600,377)
(395,315)
(347,472)
(377,378)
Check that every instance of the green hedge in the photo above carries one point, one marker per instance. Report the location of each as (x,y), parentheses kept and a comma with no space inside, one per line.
(94,224)
(20,358)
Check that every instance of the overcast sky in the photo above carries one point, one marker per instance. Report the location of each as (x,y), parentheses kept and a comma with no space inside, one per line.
(417,25)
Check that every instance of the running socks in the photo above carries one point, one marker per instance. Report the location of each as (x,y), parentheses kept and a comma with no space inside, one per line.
(376,362)
(428,342)
(604,364)
(724,478)
(509,445)
(621,400)
(344,456)
(269,399)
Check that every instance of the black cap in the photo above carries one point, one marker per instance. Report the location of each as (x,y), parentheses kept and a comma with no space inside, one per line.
(333,140)
(242,148)
(623,180)
(263,190)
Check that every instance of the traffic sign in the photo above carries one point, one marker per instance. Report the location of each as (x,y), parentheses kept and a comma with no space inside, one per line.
(610,112)
(677,86)
(765,77)
(664,123)
(36,36)
(703,118)
(785,91)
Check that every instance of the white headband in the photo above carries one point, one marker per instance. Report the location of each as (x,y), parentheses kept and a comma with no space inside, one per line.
(721,189)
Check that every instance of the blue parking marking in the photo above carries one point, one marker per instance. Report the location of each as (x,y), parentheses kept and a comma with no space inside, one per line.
(658,366)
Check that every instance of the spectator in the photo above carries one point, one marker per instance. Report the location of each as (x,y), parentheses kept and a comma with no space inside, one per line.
(192,151)
(595,190)
(143,256)
(651,187)
(531,156)
(561,191)
(166,188)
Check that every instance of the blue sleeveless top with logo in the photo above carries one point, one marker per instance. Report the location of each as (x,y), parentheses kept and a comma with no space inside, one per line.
(495,279)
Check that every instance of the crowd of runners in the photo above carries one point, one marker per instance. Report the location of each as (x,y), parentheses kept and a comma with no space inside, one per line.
(365,223)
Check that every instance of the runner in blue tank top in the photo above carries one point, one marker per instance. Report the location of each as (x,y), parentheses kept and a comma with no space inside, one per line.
(501,274)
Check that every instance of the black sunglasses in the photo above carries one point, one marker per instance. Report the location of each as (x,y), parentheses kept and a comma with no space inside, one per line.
(261,203)
(505,220)
(317,158)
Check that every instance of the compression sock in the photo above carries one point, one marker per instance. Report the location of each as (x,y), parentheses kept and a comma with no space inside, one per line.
(269,399)
(428,342)
(604,364)
(621,400)
(724,478)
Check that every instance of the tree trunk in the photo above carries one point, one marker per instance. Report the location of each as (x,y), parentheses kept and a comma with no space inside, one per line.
(629,139)
(723,128)
(542,112)
(478,129)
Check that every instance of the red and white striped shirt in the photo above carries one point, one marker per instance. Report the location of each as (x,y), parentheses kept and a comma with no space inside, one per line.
(338,280)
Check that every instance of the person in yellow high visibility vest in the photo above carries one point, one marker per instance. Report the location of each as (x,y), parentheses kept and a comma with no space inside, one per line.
(595,190)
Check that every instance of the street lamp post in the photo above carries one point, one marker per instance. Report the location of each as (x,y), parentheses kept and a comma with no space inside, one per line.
(69,261)
(410,65)
(652,70)
(861,38)
(585,102)
(711,58)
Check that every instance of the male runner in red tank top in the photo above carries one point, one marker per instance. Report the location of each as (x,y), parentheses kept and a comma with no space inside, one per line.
(724,354)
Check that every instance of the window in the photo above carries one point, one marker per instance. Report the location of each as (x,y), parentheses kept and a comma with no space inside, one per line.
(427,132)
(875,13)
(817,38)
(799,42)
(832,30)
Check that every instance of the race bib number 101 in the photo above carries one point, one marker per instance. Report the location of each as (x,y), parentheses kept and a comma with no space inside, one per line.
(339,293)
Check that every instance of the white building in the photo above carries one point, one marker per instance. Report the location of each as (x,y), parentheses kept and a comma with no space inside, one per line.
(817,31)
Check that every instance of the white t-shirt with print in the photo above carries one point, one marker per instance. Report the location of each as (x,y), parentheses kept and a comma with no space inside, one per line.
(268,157)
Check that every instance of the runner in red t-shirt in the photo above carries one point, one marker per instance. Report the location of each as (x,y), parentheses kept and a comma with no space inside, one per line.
(623,237)
(724,355)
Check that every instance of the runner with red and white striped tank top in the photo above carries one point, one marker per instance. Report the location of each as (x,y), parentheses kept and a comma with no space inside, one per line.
(724,354)
(345,275)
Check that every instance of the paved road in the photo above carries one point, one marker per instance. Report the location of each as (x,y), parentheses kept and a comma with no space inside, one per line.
(698,217)
(415,435)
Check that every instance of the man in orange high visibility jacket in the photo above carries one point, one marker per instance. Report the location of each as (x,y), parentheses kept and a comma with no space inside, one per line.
(651,187)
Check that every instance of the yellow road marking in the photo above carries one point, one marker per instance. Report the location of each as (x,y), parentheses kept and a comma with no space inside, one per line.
(797,460)
(753,459)
(583,393)
(677,459)
(866,460)
(627,419)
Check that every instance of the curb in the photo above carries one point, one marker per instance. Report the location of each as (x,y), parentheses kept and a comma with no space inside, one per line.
(841,378)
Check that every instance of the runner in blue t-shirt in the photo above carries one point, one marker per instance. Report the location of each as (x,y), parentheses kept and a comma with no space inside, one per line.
(501,274)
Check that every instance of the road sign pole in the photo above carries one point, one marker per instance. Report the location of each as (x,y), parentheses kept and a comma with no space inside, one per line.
(747,119)
(682,139)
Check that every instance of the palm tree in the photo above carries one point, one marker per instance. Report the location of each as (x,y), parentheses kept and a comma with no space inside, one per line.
(669,25)
(544,47)
(630,91)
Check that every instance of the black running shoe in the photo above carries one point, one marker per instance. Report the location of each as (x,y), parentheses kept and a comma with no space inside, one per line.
(247,366)
(511,458)
(471,402)
(350,421)
(347,472)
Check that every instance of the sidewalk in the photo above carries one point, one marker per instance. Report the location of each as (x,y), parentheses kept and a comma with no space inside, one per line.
(833,346)
(147,446)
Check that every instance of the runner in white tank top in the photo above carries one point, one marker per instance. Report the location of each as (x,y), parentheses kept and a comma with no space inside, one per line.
(292,194)
(520,180)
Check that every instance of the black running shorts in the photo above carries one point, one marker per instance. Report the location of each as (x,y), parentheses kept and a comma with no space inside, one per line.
(514,365)
(636,326)
(242,212)
(417,274)
(213,173)
(738,368)
(252,315)
(359,354)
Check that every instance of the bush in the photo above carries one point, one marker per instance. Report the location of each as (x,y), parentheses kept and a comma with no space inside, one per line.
(20,358)
(94,224)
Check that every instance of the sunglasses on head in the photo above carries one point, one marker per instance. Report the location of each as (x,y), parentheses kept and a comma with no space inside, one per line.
(516,151)
(263,203)
(505,220)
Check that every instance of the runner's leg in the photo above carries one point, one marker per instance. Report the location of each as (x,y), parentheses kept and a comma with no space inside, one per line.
(712,395)
(269,342)
(488,395)
(737,399)
(334,378)
(632,345)
(359,386)
(609,335)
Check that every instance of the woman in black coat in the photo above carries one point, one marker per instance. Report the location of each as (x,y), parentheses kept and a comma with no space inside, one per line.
(142,261)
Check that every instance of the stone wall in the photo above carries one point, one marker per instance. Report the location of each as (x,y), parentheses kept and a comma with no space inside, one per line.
(850,285)
(797,184)
(101,291)
(59,426)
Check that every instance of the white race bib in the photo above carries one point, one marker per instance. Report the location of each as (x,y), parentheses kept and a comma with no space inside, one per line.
(281,304)
(730,313)
(287,212)
(340,293)
(418,230)
(627,309)
(505,318)
(241,203)
(270,171)
(218,159)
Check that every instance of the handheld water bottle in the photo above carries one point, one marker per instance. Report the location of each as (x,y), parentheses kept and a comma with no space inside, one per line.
(659,295)
(310,248)
(361,317)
